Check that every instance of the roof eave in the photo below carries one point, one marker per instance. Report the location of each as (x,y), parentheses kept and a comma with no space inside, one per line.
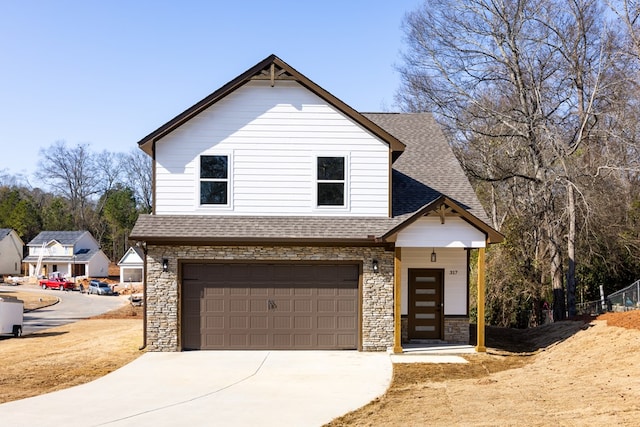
(215,241)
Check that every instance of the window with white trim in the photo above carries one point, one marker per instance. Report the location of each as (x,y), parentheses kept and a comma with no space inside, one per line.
(214,180)
(330,181)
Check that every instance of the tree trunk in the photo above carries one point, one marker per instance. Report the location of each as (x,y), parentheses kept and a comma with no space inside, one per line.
(559,307)
(571,251)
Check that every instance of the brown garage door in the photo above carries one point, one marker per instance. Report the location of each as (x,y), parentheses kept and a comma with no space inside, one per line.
(269,306)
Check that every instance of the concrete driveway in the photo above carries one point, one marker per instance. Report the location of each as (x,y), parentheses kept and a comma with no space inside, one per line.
(215,388)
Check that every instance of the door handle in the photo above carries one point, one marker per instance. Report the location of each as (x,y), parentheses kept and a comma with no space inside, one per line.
(271,304)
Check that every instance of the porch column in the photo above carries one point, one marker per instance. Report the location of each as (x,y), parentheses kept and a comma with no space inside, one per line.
(397,295)
(481,291)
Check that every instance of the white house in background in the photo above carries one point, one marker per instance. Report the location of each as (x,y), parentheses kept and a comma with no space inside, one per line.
(132,266)
(68,253)
(11,252)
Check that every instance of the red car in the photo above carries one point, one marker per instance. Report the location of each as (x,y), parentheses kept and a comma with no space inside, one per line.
(57,283)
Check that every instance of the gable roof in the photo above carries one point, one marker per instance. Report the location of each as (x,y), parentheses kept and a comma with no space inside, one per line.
(65,238)
(443,206)
(272,69)
(4,232)
(129,256)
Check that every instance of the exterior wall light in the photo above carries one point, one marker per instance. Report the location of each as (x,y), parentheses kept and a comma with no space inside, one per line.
(433,255)
(165,265)
(374,266)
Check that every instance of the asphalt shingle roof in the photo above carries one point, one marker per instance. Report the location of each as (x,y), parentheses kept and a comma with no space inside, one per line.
(78,258)
(428,168)
(4,232)
(62,237)
(248,228)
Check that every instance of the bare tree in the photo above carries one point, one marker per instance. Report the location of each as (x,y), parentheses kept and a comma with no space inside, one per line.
(137,167)
(71,172)
(520,86)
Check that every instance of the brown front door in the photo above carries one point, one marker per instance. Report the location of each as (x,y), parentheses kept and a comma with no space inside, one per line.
(426,303)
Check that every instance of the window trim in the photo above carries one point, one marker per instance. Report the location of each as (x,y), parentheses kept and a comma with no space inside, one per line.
(228,180)
(345,181)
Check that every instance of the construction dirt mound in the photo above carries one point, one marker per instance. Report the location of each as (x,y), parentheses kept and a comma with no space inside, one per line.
(568,373)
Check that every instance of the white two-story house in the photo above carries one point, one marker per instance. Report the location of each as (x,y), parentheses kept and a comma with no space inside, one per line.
(66,253)
(11,252)
(285,219)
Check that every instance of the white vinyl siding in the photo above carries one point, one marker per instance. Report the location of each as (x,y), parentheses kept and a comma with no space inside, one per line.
(273,136)
(430,232)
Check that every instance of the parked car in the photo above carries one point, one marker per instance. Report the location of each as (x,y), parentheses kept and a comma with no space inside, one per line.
(99,288)
(57,283)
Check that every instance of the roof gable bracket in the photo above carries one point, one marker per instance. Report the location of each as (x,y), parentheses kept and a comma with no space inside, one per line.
(273,74)
(441,212)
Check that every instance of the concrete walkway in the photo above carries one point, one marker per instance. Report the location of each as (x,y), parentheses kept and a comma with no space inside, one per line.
(215,388)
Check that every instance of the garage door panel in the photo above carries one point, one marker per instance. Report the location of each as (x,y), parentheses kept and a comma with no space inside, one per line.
(282,322)
(326,306)
(345,340)
(214,322)
(327,340)
(327,322)
(302,322)
(283,340)
(259,322)
(213,305)
(211,292)
(304,341)
(240,305)
(257,305)
(345,323)
(283,292)
(239,322)
(302,306)
(345,306)
(277,306)
(255,341)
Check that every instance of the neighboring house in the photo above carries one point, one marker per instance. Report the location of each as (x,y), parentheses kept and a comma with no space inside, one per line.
(67,253)
(11,252)
(132,266)
(284,219)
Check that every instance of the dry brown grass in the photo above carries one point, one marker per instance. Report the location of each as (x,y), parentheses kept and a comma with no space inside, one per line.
(32,300)
(68,355)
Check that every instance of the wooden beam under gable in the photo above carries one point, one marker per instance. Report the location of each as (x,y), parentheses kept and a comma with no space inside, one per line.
(442,210)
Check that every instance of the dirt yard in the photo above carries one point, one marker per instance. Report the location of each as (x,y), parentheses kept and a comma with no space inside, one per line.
(567,373)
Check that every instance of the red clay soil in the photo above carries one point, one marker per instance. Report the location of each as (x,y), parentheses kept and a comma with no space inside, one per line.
(627,319)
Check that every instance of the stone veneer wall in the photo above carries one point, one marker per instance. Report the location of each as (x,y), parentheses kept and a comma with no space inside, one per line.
(456,330)
(163,302)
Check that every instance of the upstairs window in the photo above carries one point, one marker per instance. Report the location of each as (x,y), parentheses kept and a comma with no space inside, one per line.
(331,181)
(214,180)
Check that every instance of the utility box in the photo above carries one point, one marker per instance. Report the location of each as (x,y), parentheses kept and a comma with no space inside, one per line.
(11,316)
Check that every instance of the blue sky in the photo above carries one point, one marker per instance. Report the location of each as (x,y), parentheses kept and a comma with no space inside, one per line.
(107,73)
